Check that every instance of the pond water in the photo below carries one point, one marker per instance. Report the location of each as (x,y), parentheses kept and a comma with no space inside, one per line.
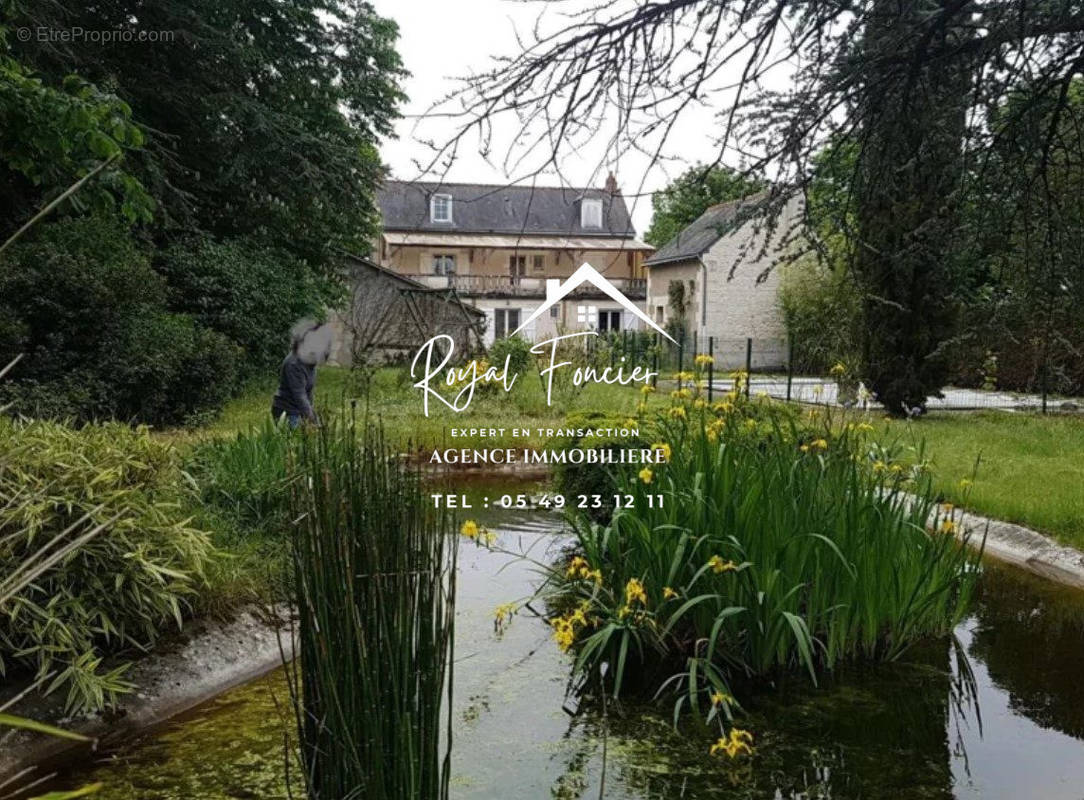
(911,729)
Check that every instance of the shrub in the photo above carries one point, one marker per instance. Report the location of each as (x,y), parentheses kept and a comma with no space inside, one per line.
(516,349)
(249,294)
(117,591)
(65,297)
(760,547)
(167,368)
(81,301)
(822,313)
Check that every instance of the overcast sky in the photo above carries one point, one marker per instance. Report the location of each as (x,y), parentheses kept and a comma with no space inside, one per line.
(440,41)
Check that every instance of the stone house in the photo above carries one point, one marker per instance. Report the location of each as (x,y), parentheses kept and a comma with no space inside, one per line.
(720,267)
(497,246)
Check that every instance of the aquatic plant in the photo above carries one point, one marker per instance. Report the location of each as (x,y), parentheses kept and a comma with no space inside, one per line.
(375,586)
(762,545)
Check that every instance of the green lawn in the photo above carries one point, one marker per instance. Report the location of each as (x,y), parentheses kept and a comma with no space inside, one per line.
(398,405)
(1030,466)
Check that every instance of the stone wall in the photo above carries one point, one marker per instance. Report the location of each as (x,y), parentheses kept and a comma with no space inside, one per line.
(734,307)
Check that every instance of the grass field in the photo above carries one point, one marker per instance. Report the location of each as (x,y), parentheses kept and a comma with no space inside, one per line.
(1027,468)
(1030,467)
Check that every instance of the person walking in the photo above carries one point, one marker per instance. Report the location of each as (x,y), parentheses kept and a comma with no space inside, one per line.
(297,375)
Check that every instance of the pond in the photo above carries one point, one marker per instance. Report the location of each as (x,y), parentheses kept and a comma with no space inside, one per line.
(911,729)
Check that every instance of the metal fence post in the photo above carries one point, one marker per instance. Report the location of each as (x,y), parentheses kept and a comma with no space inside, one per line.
(1044,381)
(711,368)
(748,365)
(681,358)
(790,366)
(655,360)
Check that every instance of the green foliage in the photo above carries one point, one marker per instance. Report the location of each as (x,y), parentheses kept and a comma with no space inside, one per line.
(573,480)
(261,120)
(775,547)
(166,368)
(260,146)
(53,132)
(822,312)
(250,294)
(80,299)
(516,350)
(117,590)
(376,599)
(691,194)
(245,476)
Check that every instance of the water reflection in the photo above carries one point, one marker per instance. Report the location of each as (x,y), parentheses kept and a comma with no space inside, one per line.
(904,730)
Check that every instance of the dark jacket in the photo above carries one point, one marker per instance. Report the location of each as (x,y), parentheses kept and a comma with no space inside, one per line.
(296,382)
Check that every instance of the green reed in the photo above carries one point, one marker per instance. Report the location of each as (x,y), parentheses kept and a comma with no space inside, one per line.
(768,545)
(375,586)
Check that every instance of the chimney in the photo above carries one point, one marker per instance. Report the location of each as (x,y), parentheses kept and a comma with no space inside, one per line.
(611,185)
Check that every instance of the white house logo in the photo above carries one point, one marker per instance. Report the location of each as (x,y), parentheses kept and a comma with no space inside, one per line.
(442,346)
(557,291)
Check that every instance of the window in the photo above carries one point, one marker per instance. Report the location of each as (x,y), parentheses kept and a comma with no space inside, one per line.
(538,263)
(591,213)
(440,208)
(609,321)
(443,264)
(554,311)
(505,321)
(660,313)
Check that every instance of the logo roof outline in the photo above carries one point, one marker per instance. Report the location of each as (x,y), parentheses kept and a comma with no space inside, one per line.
(587,273)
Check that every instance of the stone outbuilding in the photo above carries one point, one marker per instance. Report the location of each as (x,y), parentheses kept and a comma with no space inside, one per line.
(717,275)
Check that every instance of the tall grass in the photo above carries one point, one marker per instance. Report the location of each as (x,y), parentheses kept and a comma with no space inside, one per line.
(765,545)
(375,583)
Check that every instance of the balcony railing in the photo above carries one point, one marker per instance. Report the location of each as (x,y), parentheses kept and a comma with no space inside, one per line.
(507,286)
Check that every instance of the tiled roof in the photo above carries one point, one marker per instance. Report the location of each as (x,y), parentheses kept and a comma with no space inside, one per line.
(709,227)
(487,208)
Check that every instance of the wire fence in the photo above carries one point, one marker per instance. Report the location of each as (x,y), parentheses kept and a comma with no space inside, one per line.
(776,372)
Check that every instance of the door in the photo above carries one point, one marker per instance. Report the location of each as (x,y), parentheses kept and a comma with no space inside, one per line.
(517,268)
(505,321)
(609,321)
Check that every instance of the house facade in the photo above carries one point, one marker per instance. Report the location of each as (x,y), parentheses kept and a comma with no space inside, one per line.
(728,288)
(497,246)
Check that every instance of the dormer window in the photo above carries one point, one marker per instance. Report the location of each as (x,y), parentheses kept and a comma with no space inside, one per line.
(440,208)
(590,213)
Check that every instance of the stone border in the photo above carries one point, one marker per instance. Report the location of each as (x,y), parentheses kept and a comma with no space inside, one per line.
(1024,548)
(209,658)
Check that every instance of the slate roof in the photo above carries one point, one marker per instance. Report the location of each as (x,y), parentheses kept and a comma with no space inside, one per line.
(489,208)
(709,227)
(409,283)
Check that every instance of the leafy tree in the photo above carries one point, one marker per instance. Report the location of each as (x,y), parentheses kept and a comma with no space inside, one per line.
(54,132)
(261,119)
(691,194)
(250,294)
